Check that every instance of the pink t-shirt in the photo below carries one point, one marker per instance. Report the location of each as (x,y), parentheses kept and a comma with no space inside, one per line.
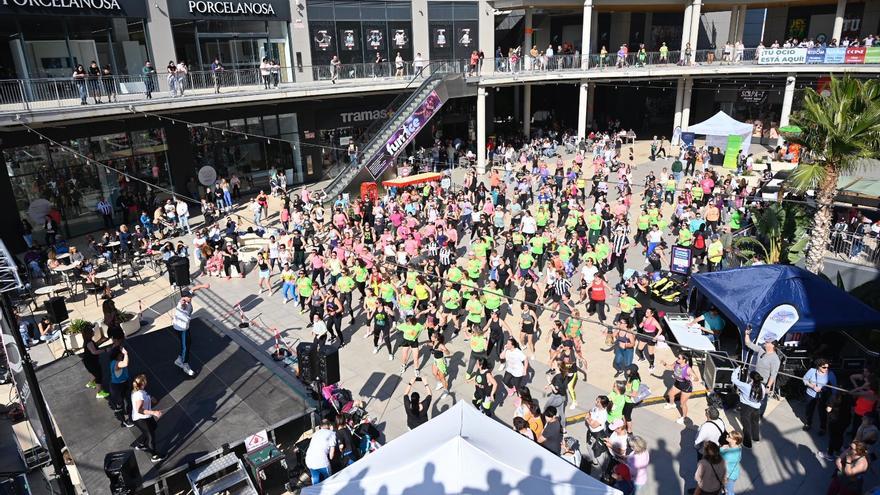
(638,467)
(396,218)
(707,184)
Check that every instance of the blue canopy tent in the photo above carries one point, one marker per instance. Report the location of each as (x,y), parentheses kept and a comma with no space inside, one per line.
(746,295)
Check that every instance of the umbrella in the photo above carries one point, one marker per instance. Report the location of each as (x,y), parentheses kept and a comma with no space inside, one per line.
(791,129)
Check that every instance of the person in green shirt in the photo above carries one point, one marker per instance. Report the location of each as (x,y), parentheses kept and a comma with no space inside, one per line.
(479,343)
(642,225)
(542,217)
(345,286)
(627,304)
(525,261)
(409,342)
(669,192)
(423,293)
(360,277)
(594,222)
(474,310)
(685,237)
(492,298)
(618,399)
(537,248)
(304,288)
(735,221)
(474,267)
(387,291)
(454,274)
(407,302)
(451,300)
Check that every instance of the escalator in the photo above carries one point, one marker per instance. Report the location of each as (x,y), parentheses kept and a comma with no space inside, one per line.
(383,141)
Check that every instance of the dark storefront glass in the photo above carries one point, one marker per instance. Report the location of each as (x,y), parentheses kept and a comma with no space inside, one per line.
(251,159)
(356,31)
(238,44)
(51,46)
(73,185)
(454,29)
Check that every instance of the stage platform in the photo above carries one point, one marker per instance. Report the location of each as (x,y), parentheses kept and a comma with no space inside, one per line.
(231,396)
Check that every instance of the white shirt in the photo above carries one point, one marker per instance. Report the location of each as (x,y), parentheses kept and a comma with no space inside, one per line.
(587,272)
(317,455)
(182,315)
(598,415)
(147,401)
(516,362)
(182,209)
(529,225)
(618,442)
(655,236)
(709,433)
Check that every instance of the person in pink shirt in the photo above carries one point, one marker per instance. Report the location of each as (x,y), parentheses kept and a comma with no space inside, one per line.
(412,223)
(403,231)
(411,247)
(452,236)
(638,462)
(707,184)
(396,218)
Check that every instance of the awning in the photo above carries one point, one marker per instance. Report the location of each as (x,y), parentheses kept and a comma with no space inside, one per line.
(413,179)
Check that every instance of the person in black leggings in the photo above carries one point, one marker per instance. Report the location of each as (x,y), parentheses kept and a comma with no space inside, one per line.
(333,316)
(382,323)
(145,416)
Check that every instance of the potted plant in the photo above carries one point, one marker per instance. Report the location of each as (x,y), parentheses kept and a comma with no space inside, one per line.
(74,333)
(130,322)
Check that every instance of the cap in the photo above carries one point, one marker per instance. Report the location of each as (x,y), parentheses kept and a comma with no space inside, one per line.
(186,293)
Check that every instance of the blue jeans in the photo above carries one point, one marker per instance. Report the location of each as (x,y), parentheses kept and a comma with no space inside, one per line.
(729,487)
(288,287)
(183,221)
(622,358)
(227,198)
(319,475)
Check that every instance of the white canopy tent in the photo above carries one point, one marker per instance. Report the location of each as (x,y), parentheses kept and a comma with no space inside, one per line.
(719,126)
(461,452)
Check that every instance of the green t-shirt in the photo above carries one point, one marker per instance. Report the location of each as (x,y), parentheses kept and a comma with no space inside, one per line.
(474,267)
(565,252)
(685,237)
(360,274)
(411,331)
(617,403)
(493,298)
(386,290)
(594,221)
(455,274)
(525,261)
(475,310)
(304,286)
(538,243)
(345,284)
(627,304)
(644,221)
(407,301)
(451,299)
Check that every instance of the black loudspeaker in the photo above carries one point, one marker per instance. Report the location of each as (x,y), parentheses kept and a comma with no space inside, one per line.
(56,308)
(122,470)
(307,359)
(328,364)
(178,271)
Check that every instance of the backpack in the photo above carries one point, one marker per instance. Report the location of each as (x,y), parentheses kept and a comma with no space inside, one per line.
(722,440)
(699,241)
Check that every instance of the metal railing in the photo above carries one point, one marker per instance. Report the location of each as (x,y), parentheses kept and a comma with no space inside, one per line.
(856,248)
(29,94)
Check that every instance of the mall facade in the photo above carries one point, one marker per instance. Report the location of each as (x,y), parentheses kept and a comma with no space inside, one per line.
(42,41)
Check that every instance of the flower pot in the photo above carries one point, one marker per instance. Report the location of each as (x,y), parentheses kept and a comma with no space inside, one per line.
(131,326)
(74,340)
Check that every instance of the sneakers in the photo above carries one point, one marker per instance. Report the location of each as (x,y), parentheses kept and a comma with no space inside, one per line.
(402,369)
(367,335)
(439,386)
(127,423)
(669,405)
(140,447)
(680,420)
(573,405)
(416,372)
(91,384)
(157,458)
(178,362)
(391,357)
(375,350)
(188,370)
(102,395)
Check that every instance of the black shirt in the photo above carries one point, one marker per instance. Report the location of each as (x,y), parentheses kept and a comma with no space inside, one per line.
(414,419)
(552,436)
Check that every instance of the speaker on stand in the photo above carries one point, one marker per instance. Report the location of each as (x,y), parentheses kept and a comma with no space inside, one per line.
(122,470)
(307,359)
(56,310)
(178,271)
(328,364)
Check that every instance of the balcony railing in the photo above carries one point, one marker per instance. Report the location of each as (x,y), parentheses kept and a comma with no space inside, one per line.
(17,95)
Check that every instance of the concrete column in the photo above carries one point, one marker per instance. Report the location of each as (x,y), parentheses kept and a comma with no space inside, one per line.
(787,99)
(694,35)
(686,26)
(481,130)
(620,26)
(300,42)
(527,33)
(838,20)
(161,39)
(679,96)
(587,34)
(583,99)
(420,34)
(686,104)
(734,25)
(527,110)
(591,104)
(487,36)
(741,25)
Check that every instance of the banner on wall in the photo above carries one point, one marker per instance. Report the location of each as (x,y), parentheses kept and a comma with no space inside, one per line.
(835,55)
(816,55)
(783,56)
(872,55)
(688,138)
(855,55)
(404,134)
(734,144)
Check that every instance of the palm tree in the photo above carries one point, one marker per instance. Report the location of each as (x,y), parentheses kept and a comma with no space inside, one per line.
(838,133)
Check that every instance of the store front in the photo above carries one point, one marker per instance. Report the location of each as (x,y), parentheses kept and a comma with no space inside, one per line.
(357,31)
(454,29)
(46,177)
(238,34)
(47,39)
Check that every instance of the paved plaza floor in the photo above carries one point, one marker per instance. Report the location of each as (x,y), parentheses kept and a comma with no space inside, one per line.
(783,461)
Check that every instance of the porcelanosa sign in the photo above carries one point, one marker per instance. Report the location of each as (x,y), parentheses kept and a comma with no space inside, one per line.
(234,9)
(120,8)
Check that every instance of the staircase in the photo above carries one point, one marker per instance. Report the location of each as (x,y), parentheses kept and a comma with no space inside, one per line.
(371,163)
